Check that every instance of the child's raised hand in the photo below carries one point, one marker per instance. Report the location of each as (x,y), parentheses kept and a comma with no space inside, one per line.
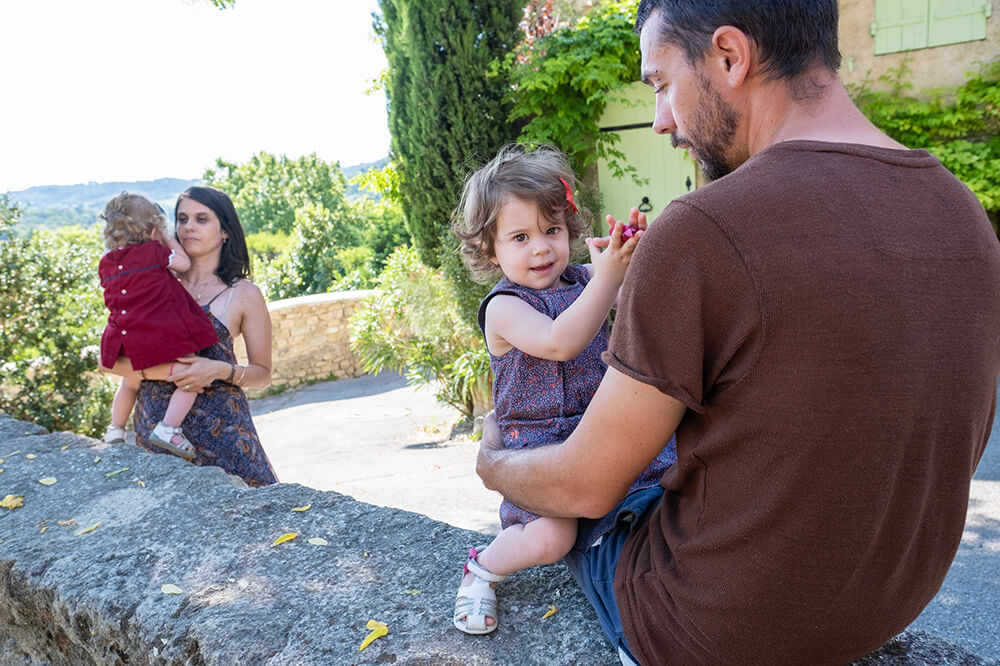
(618,246)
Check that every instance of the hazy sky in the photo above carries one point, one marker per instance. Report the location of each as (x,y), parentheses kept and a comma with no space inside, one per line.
(102,90)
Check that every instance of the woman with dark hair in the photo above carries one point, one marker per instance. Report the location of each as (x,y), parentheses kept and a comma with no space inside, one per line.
(219,425)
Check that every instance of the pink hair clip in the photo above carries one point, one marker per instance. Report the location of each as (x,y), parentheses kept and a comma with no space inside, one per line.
(569,195)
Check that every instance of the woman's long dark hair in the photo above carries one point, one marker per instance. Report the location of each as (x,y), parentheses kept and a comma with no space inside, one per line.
(234,260)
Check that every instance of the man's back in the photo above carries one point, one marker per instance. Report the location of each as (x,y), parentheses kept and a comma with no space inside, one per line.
(829,314)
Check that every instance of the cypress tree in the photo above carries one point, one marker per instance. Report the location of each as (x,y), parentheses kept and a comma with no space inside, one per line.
(446,113)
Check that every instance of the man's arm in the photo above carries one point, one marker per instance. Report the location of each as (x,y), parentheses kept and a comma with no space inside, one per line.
(626,425)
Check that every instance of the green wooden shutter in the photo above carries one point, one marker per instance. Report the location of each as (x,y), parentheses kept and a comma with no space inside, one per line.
(900,25)
(953,21)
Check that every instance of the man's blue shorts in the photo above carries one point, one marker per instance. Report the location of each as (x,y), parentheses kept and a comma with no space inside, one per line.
(594,558)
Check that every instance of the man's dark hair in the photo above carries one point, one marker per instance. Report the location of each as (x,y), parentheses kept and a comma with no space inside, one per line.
(234,260)
(792,36)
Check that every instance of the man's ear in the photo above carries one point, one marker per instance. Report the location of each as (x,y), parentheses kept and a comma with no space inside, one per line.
(731,51)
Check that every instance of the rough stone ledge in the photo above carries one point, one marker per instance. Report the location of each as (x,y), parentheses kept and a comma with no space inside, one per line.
(95,598)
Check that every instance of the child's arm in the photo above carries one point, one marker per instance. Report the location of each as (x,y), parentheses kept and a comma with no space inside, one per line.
(510,322)
(179,261)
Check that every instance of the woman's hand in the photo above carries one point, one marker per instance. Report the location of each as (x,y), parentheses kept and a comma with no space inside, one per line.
(194,373)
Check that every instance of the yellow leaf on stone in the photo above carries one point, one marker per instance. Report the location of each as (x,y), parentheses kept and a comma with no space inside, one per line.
(378,629)
(88,529)
(170,588)
(66,522)
(64,448)
(31,456)
(11,502)
(285,537)
(316,541)
(47,481)
(303,508)
(414,592)
(12,453)
(550,612)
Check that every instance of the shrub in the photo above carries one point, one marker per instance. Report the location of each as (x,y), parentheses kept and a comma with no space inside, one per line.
(51,318)
(412,323)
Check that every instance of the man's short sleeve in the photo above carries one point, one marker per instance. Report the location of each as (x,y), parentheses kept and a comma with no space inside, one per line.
(688,319)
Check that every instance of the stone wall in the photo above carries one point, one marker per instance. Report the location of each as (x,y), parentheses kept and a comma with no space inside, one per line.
(932,67)
(310,339)
(86,565)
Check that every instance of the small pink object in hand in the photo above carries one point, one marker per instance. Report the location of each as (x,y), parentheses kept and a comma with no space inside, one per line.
(629,231)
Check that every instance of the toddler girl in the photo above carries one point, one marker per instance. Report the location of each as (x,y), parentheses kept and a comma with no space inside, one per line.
(545,329)
(151,318)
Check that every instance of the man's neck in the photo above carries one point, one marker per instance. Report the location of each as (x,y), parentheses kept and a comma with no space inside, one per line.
(776,115)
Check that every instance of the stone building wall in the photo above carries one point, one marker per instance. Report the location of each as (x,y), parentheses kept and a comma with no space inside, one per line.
(310,339)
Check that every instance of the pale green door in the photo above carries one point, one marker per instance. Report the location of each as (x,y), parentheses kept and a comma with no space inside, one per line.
(668,172)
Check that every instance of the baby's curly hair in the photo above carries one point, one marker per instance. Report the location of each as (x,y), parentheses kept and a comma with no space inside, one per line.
(130,219)
(534,176)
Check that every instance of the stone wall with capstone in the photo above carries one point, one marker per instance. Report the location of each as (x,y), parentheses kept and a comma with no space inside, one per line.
(120,556)
(310,339)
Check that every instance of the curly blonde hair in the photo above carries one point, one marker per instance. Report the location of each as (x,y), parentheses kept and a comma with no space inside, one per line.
(130,219)
(535,176)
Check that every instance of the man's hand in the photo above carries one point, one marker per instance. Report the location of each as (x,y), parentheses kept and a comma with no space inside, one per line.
(489,445)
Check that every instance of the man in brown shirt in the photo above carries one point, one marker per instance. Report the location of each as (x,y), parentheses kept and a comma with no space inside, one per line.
(819,325)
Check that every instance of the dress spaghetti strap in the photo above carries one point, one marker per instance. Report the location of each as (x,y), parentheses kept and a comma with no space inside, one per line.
(217,295)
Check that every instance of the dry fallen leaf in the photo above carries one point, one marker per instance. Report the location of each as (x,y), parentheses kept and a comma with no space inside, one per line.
(285,537)
(303,508)
(378,629)
(170,588)
(316,541)
(550,612)
(12,453)
(414,592)
(64,448)
(89,529)
(47,481)
(66,522)
(31,456)
(116,472)
(11,502)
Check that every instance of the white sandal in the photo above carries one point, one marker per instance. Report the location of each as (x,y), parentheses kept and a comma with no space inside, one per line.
(114,435)
(161,436)
(477,600)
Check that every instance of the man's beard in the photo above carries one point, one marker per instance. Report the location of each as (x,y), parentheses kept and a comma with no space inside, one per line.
(711,130)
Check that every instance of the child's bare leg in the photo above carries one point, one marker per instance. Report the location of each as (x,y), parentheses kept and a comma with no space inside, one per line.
(178,407)
(542,541)
(124,401)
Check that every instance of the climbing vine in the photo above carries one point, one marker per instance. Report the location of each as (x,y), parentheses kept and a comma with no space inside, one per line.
(561,86)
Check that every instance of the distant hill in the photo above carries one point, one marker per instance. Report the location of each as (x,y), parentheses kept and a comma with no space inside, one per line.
(53,206)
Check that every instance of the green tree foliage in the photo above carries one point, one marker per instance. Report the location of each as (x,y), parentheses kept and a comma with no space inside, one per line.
(268,190)
(561,85)
(959,125)
(444,111)
(306,236)
(412,323)
(51,318)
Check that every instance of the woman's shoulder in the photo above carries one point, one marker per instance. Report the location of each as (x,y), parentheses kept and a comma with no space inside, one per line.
(248,295)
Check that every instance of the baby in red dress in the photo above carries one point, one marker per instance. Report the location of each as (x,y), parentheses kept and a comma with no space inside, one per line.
(151,317)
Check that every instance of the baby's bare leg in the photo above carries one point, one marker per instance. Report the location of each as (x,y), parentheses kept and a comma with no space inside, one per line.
(542,541)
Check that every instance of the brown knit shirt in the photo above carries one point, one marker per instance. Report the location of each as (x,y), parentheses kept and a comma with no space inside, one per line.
(829,315)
